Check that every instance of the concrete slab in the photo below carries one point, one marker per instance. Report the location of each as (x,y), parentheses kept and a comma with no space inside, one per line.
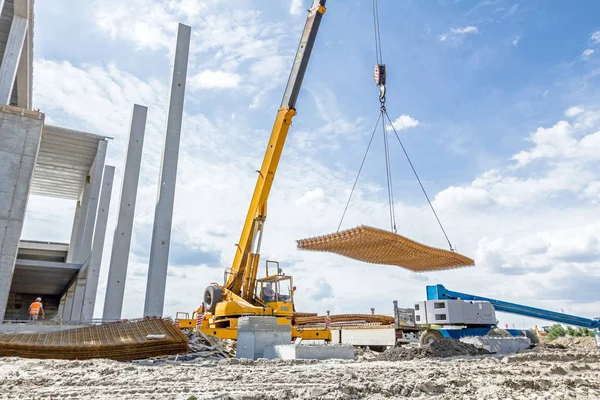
(499,345)
(309,352)
(256,333)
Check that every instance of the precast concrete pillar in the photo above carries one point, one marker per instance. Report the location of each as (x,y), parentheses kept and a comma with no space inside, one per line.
(163,215)
(12,55)
(83,252)
(119,258)
(91,288)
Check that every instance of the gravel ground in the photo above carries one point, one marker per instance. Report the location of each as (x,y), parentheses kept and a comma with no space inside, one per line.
(545,373)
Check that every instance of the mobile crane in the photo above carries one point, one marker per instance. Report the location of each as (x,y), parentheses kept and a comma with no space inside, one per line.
(242,293)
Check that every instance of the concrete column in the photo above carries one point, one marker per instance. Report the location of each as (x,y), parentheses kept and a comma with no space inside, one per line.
(78,294)
(68,307)
(20,134)
(163,215)
(61,306)
(90,212)
(91,288)
(74,254)
(12,54)
(74,237)
(119,258)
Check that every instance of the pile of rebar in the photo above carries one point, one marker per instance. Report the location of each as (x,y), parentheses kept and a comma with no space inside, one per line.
(122,341)
(346,318)
(378,246)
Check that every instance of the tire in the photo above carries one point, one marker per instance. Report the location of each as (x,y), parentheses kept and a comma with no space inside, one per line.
(212,296)
(532,336)
(429,336)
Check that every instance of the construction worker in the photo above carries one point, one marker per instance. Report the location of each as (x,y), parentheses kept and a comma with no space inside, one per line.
(35,309)
(268,293)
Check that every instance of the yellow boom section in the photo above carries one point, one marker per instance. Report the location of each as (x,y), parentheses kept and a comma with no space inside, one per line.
(257,210)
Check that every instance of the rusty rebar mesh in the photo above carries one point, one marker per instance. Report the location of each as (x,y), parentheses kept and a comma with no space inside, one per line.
(378,246)
(122,341)
(346,318)
(304,314)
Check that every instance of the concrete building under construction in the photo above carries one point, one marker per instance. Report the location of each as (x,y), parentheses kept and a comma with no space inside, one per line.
(43,160)
(52,161)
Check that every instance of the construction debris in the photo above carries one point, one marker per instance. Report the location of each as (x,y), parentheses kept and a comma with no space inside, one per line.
(201,348)
(345,319)
(441,348)
(378,246)
(122,341)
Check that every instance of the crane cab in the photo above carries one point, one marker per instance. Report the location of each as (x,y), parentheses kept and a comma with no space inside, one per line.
(277,292)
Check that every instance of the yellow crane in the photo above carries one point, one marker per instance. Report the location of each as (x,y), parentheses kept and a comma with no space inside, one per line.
(242,292)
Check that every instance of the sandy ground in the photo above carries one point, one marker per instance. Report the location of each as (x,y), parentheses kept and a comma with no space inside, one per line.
(540,374)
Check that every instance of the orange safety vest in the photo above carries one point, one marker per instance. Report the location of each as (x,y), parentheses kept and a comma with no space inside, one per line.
(35,308)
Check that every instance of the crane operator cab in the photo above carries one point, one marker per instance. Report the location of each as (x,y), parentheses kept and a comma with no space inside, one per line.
(277,292)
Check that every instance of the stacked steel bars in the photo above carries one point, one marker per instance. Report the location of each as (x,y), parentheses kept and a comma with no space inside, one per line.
(122,341)
(378,246)
(346,318)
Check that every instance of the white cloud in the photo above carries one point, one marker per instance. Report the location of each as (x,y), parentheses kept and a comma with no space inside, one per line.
(296,7)
(587,53)
(595,37)
(573,111)
(208,79)
(516,40)
(404,122)
(457,34)
(465,30)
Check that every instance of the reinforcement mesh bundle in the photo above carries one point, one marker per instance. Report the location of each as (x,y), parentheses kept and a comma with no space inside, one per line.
(378,246)
(123,341)
(346,318)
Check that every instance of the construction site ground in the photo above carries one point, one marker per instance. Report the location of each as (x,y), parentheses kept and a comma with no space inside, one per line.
(566,371)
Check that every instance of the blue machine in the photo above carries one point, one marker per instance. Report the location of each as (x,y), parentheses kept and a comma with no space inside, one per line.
(439,292)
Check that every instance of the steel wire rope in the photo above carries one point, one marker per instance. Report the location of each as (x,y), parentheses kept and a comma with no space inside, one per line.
(359,171)
(418,179)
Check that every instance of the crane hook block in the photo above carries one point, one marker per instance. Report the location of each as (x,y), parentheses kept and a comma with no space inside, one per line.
(379,74)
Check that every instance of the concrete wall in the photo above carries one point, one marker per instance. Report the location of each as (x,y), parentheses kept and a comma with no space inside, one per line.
(256,333)
(309,352)
(499,345)
(20,134)
(17,307)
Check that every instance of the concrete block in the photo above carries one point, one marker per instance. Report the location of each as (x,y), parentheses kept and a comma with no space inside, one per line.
(309,352)
(256,333)
(499,345)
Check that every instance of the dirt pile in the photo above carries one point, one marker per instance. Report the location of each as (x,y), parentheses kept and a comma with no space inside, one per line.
(584,342)
(442,348)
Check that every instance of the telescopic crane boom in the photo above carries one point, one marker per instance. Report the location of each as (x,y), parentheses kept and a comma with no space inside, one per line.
(249,245)
(242,293)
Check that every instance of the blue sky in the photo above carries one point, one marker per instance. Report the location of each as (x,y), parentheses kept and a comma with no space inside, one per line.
(499,104)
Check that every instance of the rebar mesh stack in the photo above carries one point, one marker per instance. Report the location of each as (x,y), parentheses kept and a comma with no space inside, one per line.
(346,318)
(122,341)
(378,246)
